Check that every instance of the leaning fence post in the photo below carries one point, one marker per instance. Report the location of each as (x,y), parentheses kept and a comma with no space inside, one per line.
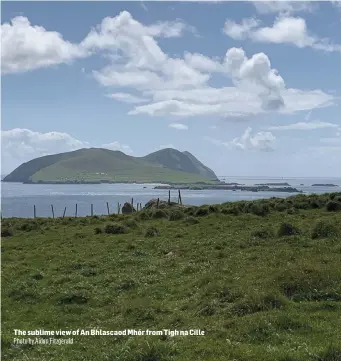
(180,200)
(64,212)
(34,211)
(52,210)
(108,208)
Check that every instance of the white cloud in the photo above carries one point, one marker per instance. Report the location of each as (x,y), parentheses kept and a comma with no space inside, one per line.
(285,30)
(299,100)
(118,146)
(27,47)
(202,62)
(258,88)
(178,126)
(126,98)
(21,145)
(143,6)
(240,31)
(143,65)
(227,102)
(170,29)
(281,6)
(307,117)
(139,71)
(305,126)
(261,141)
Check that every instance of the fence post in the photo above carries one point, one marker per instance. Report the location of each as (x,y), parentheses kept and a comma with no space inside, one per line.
(92,209)
(34,211)
(108,208)
(64,212)
(76,211)
(52,210)
(169,197)
(180,200)
(157,203)
(118,207)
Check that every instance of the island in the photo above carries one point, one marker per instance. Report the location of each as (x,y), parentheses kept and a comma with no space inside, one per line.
(324,185)
(227,187)
(273,184)
(99,165)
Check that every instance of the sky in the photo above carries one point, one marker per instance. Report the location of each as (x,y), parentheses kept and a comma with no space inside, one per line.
(249,88)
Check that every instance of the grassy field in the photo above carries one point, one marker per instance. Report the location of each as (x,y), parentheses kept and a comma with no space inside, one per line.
(152,174)
(262,279)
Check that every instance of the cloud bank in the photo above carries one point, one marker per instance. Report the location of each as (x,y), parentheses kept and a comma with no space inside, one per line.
(139,73)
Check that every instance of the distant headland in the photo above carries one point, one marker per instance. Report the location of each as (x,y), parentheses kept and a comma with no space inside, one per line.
(98,165)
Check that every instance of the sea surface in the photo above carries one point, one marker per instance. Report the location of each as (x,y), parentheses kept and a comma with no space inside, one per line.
(18,200)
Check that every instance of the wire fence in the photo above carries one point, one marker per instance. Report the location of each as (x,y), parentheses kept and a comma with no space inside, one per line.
(127,207)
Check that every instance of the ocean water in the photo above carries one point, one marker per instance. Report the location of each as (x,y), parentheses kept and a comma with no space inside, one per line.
(17,199)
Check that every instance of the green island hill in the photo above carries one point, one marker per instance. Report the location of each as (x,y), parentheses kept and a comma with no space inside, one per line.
(97,165)
(260,280)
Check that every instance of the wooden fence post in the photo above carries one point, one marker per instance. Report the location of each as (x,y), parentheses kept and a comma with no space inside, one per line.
(76,211)
(157,203)
(34,211)
(169,197)
(92,210)
(64,212)
(108,208)
(52,210)
(180,200)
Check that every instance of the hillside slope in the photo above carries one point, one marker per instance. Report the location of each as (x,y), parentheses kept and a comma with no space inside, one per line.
(260,287)
(203,170)
(26,170)
(97,164)
(181,161)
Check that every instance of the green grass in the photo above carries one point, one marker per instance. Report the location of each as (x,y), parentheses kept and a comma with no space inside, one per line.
(260,292)
(146,173)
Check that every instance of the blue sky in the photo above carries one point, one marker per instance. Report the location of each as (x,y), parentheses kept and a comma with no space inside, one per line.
(250,88)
